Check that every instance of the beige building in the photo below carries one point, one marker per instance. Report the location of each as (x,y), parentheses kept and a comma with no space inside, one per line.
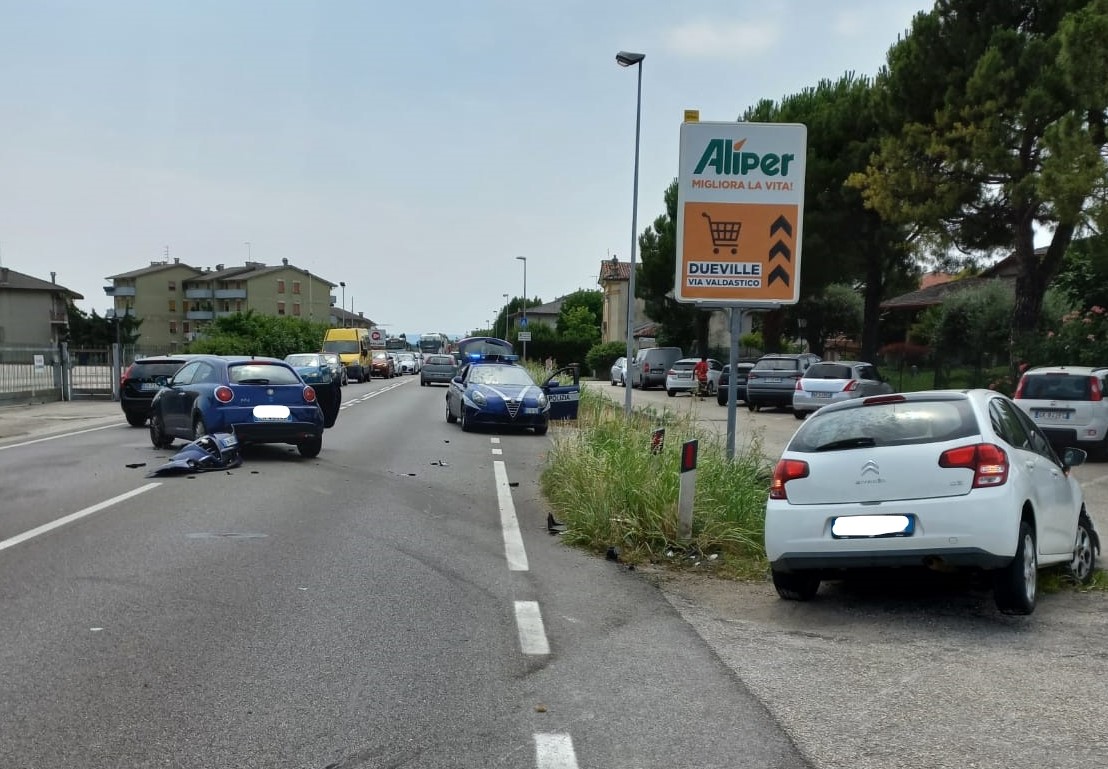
(176,301)
(33,311)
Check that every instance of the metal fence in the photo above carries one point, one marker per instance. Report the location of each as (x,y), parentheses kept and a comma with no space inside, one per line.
(60,373)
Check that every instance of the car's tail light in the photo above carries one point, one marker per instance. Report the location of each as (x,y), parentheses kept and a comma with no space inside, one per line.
(988,461)
(309,394)
(850,386)
(785,471)
(224,394)
(125,375)
(876,400)
(646,368)
(798,388)
(1020,387)
(1095,393)
(671,372)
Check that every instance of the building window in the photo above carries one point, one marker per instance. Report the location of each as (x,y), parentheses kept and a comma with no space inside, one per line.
(280,308)
(173,305)
(172,285)
(296,309)
(238,306)
(185,327)
(173,327)
(296,287)
(280,287)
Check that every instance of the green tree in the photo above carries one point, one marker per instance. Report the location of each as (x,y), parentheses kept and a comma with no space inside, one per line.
(591,301)
(837,310)
(250,333)
(996,112)
(971,327)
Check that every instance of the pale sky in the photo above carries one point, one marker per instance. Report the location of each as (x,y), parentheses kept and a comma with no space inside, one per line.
(411,149)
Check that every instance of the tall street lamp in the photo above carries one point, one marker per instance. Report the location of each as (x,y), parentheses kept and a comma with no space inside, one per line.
(505,316)
(523,323)
(343,305)
(628,59)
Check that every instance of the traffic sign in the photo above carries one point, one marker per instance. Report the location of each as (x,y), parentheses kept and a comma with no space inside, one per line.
(740,213)
(524,336)
(523,322)
(376,336)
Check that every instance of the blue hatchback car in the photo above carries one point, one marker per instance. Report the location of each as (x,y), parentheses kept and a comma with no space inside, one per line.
(260,400)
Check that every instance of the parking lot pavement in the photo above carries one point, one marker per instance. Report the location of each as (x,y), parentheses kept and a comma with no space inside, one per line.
(27,420)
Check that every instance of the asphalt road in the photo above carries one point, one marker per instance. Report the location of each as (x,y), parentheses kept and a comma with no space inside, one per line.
(395,602)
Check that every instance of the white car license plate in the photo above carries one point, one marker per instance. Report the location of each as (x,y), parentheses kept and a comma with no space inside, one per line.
(821,395)
(773,379)
(530,410)
(872,526)
(1059,414)
(271,413)
(148,386)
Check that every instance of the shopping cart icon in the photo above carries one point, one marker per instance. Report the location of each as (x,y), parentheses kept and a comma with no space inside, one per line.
(724,234)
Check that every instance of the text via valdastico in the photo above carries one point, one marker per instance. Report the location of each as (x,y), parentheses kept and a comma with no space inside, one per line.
(734,274)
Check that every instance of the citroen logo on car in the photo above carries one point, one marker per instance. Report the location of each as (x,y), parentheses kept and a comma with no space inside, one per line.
(871,467)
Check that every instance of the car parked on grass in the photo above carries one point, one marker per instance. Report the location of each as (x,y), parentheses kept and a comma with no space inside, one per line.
(773,379)
(833,381)
(940,479)
(260,400)
(437,369)
(1069,404)
(139,383)
(680,377)
(742,369)
(618,373)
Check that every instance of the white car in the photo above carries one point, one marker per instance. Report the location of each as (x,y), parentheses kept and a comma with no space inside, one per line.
(618,374)
(409,363)
(833,381)
(939,479)
(680,378)
(1069,403)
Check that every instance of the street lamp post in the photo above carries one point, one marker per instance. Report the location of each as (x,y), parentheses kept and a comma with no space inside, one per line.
(628,59)
(523,323)
(343,305)
(505,316)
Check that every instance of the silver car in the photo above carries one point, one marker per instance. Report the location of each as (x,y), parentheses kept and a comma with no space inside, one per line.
(834,381)
(619,372)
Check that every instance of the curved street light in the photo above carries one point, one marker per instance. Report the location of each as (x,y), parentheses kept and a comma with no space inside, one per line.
(629,59)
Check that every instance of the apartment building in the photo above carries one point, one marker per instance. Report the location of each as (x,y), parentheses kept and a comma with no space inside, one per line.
(176,301)
(32,310)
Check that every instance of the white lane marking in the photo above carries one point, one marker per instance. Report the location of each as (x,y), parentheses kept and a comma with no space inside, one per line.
(497,452)
(513,540)
(374,394)
(55,437)
(495,440)
(13,541)
(554,751)
(532,635)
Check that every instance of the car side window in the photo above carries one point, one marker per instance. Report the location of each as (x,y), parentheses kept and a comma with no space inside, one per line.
(1007,425)
(1039,442)
(185,375)
(868,372)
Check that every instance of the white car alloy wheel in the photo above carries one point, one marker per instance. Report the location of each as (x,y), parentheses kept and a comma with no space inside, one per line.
(1084,553)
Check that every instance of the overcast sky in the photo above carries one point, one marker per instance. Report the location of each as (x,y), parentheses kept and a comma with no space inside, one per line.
(411,149)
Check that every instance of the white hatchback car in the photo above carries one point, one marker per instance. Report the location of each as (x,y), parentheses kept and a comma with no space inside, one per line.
(833,381)
(680,379)
(938,479)
(1069,404)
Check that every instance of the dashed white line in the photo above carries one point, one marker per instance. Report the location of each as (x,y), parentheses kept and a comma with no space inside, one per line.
(495,440)
(513,540)
(13,541)
(532,635)
(498,452)
(554,751)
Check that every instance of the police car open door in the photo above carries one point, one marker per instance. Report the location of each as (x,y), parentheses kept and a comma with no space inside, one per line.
(563,397)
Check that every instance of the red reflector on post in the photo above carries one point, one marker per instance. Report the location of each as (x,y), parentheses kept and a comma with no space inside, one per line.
(688,455)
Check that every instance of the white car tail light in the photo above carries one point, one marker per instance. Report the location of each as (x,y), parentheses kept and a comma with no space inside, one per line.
(850,386)
(989,463)
(785,471)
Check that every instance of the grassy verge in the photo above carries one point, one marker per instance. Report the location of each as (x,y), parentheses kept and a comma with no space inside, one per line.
(604,483)
(610,490)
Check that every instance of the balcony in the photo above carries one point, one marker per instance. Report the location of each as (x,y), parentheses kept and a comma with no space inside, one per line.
(198,293)
(119,290)
(224,313)
(200,314)
(60,317)
(230,293)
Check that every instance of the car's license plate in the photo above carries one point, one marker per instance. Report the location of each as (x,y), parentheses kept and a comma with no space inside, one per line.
(530,410)
(773,379)
(1052,414)
(148,386)
(872,526)
(821,395)
(271,413)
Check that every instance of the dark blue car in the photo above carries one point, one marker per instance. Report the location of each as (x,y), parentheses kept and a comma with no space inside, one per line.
(500,392)
(260,400)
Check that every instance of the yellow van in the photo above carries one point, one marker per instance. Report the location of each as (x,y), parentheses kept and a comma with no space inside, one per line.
(352,345)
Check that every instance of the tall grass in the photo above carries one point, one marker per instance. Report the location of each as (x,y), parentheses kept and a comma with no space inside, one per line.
(610,490)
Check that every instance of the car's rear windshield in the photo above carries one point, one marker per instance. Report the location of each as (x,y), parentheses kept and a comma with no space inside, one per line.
(895,423)
(262,373)
(440,360)
(776,364)
(142,370)
(306,359)
(684,365)
(1061,387)
(829,371)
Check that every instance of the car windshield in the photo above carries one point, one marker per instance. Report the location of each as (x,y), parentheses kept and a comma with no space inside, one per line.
(261,373)
(684,365)
(341,345)
(500,375)
(886,424)
(1062,387)
(380,356)
(829,371)
(304,359)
